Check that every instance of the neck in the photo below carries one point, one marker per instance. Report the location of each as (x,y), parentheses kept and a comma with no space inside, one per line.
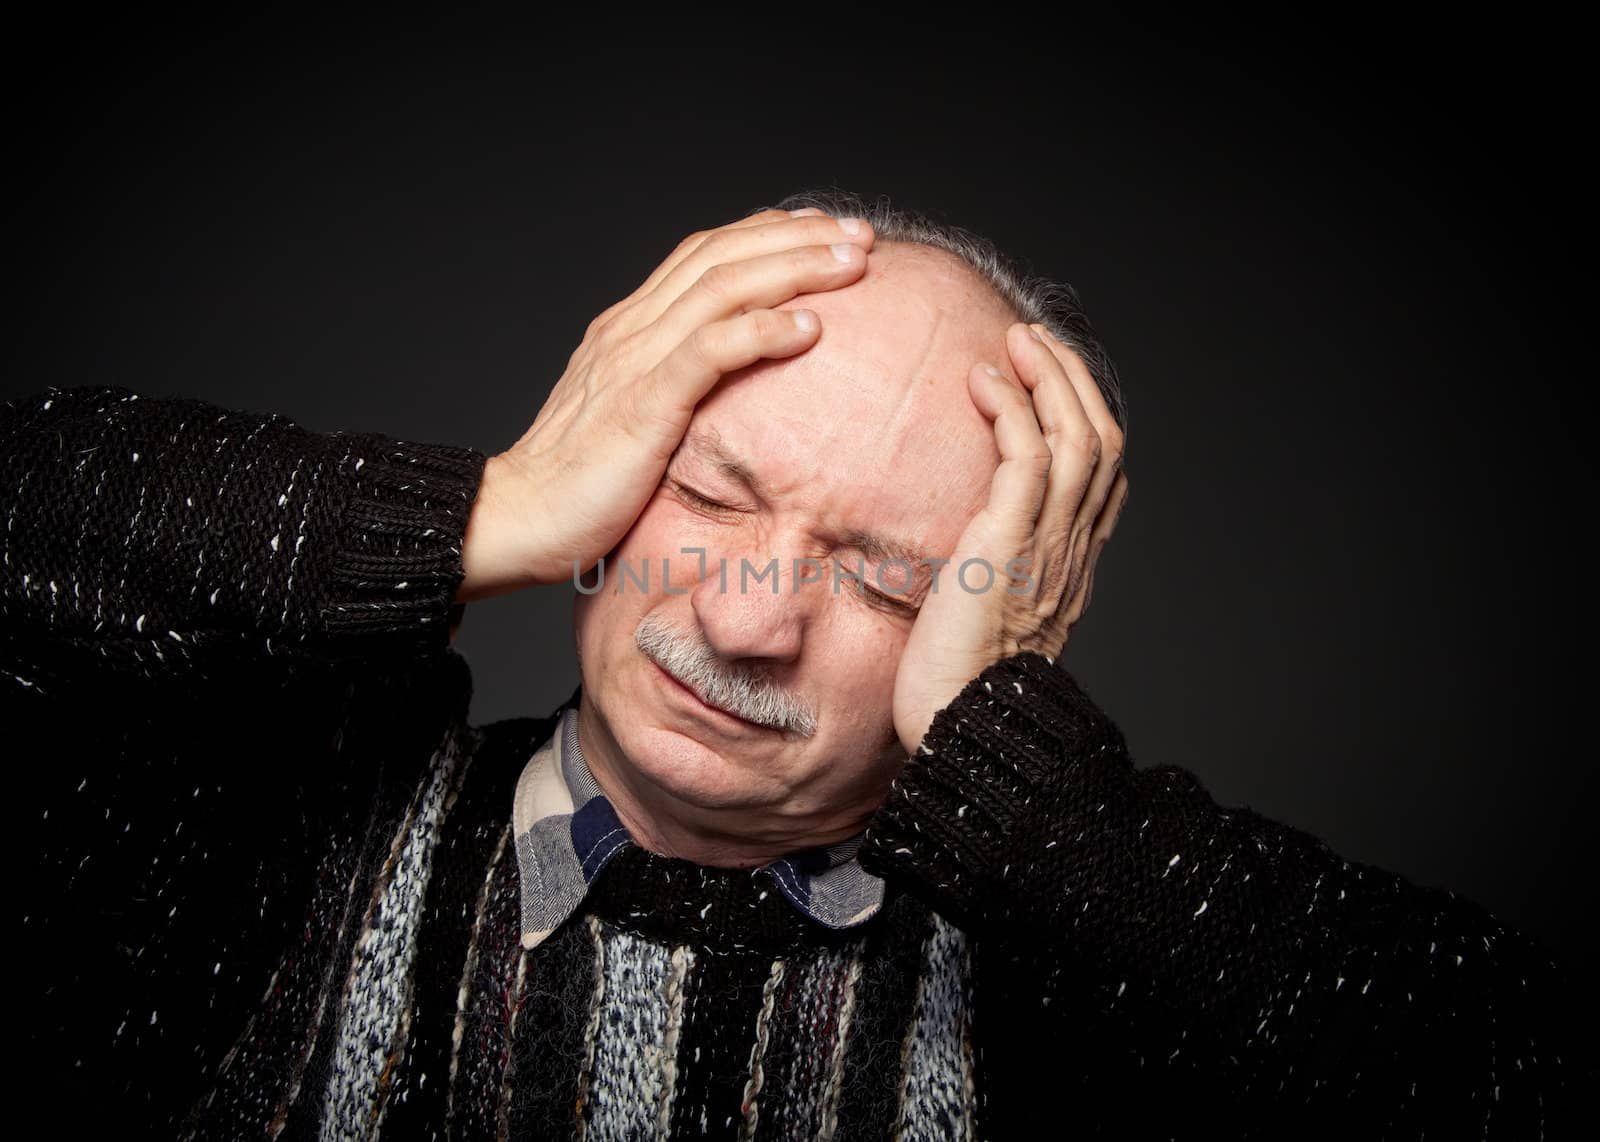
(715,837)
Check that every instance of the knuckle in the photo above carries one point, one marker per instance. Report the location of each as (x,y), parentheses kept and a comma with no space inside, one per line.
(602,319)
(1087,444)
(814,259)
(721,244)
(718,281)
(1018,398)
(767,325)
(706,344)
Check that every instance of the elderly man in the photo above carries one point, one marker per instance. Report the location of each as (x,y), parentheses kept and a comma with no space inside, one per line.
(825,844)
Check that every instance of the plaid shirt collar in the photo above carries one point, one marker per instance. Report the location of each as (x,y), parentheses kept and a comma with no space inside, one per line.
(566,831)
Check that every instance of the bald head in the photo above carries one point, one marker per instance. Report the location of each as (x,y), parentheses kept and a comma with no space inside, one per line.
(874,421)
(917,313)
(1033,299)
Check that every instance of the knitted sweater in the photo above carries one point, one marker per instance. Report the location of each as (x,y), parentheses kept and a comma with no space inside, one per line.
(269,885)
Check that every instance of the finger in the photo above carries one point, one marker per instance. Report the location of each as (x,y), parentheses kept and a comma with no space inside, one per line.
(685,248)
(1109,518)
(672,389)
(1092,400)
(1098,538)
(1017,489)
(1074,442)
(687,265)
(690,243)
(760,282)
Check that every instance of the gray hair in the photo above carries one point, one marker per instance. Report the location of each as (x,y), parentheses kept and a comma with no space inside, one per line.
(1035,300)
(717,682)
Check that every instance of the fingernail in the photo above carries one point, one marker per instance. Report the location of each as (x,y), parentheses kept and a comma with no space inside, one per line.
(992,371)
(850,226)
(805,319)
(842,251)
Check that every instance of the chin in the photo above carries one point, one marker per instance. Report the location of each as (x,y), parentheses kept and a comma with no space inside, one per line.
(678,762)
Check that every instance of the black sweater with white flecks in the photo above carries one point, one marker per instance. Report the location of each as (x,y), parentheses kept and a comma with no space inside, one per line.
(265,885)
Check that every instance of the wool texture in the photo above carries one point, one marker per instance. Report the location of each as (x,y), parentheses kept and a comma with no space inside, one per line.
(269,880)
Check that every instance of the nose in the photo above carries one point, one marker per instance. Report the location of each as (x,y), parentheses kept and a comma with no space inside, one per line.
(742,616)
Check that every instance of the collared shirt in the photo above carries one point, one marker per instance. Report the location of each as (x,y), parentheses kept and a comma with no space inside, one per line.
(566,831)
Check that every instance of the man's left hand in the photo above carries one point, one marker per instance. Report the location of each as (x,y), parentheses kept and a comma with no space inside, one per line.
(1053,503)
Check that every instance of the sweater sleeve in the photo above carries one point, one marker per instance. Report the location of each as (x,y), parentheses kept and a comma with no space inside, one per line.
(1212,941)
(224,663)
(153,537)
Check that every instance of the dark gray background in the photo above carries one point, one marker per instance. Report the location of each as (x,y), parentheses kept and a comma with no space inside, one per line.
(1350,587)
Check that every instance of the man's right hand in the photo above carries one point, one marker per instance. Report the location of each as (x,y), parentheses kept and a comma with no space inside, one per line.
(572,486)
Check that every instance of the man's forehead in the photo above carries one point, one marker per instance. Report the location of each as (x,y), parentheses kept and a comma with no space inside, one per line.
(873,424)
(885,513)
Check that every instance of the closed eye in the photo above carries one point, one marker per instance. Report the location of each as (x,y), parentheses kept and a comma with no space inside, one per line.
(890,602)
(695,499)
(893,604)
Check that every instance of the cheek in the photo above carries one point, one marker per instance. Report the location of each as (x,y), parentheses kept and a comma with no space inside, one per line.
(859,655)
(593,611)
(655,535)
(663,528)
(652,537)
(592,615)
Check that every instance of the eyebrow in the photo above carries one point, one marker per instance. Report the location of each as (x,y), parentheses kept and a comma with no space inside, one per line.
(881,549)
(878,548)
(708,441)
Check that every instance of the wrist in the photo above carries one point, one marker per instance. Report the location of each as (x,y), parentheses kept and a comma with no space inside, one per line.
(488,550)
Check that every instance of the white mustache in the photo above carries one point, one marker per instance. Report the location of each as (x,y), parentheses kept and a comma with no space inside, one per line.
(697,666)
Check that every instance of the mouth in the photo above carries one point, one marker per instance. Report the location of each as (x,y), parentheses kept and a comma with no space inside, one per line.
(717,713)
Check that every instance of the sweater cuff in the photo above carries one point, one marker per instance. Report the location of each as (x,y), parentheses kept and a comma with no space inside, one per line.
(957,818)
(396,564)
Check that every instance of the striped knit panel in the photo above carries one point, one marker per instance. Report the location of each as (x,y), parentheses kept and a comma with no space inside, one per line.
(726,1015)
(937,1086)
(487,997)
(632,1036)
(867,1103)
(399,725)
(797,1063)
(375,1018)
(453,917)
(555,1000)
(777,975)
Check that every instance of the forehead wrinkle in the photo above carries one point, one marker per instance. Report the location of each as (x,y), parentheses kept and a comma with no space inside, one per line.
(706,440)
(876,546)
(941,329)
(918,414)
